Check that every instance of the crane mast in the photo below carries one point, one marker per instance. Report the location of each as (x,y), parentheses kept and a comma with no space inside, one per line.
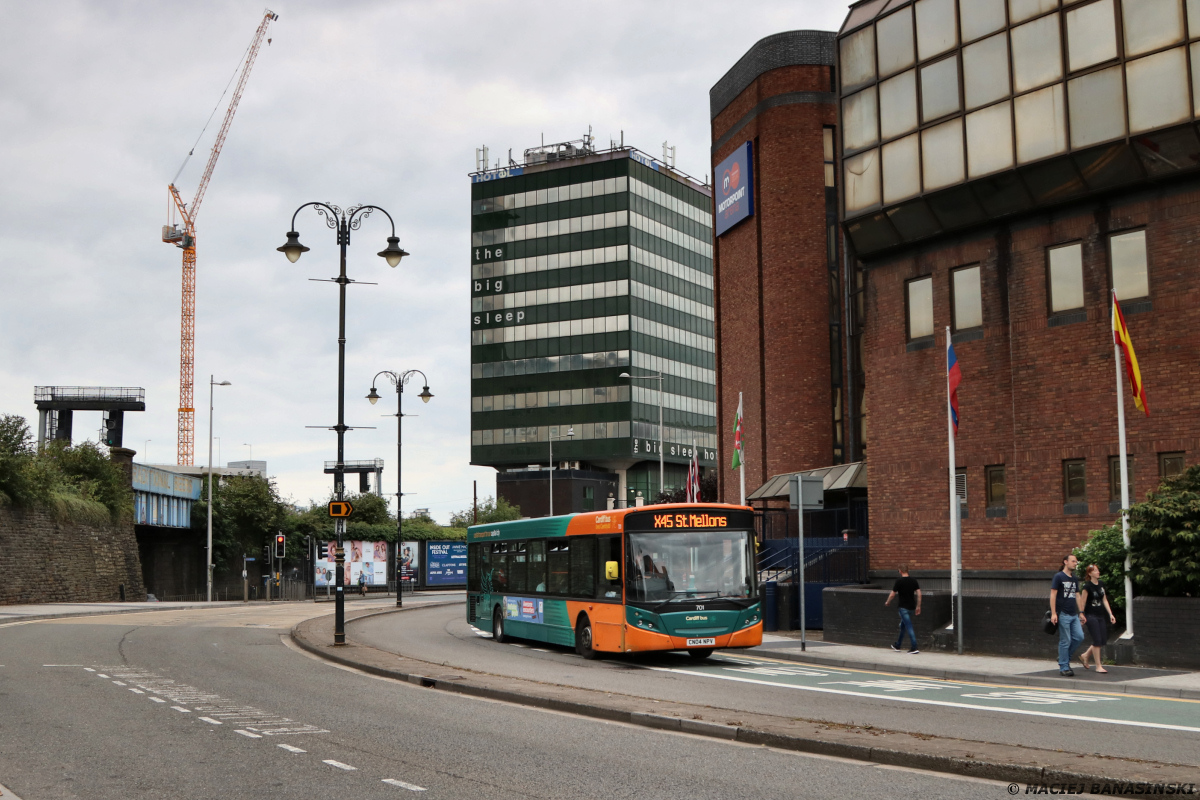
(185,239)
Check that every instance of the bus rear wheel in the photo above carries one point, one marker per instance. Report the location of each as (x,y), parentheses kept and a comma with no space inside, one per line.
(498,627)
(701,654)
(583,639)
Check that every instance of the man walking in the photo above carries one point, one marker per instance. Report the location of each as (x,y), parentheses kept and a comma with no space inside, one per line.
(909,592)
(1064,610)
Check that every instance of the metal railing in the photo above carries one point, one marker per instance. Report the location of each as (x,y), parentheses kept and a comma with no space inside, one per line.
(103,394)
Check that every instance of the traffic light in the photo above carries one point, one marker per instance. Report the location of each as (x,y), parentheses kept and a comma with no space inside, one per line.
(280,545)
(114,423)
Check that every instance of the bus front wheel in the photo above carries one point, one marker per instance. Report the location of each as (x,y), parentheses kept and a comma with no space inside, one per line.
(700,655)
(498,627)
(583,639)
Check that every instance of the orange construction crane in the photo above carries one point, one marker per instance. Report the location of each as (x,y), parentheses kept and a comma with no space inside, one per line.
(185,239)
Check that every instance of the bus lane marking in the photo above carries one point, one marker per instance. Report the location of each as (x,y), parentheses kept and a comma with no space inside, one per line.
(1103,708)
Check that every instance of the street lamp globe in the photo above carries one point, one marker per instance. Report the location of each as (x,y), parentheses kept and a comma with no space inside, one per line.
(373,396)
(392,253)
(425,395)
(292,247)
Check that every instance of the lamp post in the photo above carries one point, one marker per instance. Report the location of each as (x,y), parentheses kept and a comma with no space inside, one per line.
(247,444)
(570,432)
(398,380)
(211,383)
(342,221)
(662,485)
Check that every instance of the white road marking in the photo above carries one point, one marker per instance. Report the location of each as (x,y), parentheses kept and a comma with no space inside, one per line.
(248,734)
(412,787)
(926,701)
(5,792)
(119,683)
(339,765)
(57,665)
(89,669)
(212,721)
(182,710)
(158,700)
(101,675)
(291,749)
(136,691)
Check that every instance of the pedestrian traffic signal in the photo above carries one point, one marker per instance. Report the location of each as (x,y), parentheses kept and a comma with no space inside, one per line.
(280,545)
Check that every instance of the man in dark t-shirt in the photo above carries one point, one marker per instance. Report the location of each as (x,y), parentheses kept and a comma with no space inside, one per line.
(1064,610)
(909,593)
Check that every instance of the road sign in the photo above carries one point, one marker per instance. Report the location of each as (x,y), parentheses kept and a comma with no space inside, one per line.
(340,508)
(250,559)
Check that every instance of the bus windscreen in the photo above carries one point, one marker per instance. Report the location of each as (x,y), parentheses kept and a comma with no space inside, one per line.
(675,565)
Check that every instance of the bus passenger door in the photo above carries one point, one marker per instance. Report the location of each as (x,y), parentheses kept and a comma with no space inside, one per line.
(609,617)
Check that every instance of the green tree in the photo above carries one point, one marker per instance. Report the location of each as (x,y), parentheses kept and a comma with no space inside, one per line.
(247,512)
(18,483)
(1106,549)
(490,510)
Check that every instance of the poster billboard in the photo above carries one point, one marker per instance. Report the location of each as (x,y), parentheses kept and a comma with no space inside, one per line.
(410,560)
(733,189)
(445,563)
(361,558)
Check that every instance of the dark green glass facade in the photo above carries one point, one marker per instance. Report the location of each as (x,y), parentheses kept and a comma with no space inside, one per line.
(583,270)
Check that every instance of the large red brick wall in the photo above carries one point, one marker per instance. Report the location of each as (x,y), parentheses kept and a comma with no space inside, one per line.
(772,320)
(1031,395)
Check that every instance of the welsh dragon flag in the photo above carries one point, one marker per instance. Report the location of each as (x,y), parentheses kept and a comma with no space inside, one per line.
(737,436)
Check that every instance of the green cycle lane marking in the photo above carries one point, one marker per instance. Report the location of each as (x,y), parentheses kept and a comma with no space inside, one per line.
(1117,709)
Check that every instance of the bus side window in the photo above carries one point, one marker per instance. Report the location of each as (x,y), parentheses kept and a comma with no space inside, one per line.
(537,567)
(557,560)
(485,567)
(583,566)
(610,550)
(516,567)
(500,567)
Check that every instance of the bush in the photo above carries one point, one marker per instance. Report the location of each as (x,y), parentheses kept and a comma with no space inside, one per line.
(1165,538)
(1164,542)
(1106,550)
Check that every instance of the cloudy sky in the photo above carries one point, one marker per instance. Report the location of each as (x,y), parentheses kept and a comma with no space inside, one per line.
(353,102)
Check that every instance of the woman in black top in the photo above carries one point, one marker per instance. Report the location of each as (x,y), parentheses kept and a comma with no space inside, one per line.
(1095,609)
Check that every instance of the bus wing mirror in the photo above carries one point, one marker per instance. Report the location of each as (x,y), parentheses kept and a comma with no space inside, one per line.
(611,570)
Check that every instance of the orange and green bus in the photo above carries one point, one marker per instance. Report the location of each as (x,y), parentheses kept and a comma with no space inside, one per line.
(666,577)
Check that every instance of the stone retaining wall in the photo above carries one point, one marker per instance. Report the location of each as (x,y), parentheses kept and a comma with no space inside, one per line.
(43,560)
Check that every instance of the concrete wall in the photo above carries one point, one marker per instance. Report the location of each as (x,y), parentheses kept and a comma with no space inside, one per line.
(857,616)
(46,561)
(1165,631)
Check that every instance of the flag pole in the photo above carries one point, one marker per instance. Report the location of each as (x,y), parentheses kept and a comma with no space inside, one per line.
(1124,478)
(955,540)
(741,454)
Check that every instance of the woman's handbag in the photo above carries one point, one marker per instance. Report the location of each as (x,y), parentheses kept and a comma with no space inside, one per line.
(1048,625)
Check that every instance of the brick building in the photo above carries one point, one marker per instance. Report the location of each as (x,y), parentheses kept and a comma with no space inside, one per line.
(778,265)
(1006,166)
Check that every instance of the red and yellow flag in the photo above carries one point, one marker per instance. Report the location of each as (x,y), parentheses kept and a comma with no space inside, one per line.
(1121,337)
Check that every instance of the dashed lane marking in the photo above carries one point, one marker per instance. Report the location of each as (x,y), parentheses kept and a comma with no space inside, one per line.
(291,749)
(339,765)
(57,665)
(412,787)
(100,674)
(182,710)
(212,721)
(214,707)
(248,734)
(120,683)
(157,700)
(89,669)
(136,691)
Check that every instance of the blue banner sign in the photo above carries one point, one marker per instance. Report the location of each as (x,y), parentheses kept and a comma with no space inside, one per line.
(733,188)
(445,563)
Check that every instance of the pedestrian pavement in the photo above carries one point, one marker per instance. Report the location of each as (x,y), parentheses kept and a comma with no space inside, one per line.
(786,645)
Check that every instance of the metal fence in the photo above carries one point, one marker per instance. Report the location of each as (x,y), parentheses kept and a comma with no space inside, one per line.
(782,523)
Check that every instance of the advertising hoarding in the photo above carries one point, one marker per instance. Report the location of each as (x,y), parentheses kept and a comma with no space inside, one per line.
(445,563)
(733,189)
(361,558)
(410,560)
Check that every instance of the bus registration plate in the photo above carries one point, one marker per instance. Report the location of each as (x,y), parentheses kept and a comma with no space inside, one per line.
(701,642)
